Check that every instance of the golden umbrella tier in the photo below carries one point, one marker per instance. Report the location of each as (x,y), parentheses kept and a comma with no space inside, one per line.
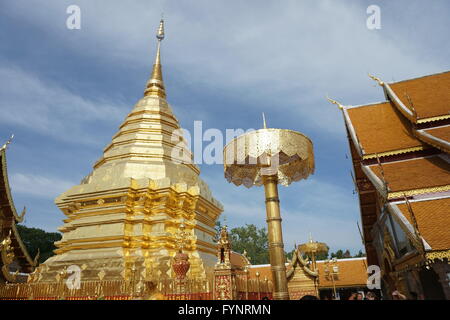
(286,154)
(313,247)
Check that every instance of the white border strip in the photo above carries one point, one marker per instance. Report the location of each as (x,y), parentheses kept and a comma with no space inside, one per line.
(350,127)
(375,180)
(392,94)
(433,138)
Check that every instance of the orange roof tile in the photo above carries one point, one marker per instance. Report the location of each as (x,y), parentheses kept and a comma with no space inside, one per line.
(264,271)
(433,221)
(415,174)
(238,260)
(352,272)
(381,128)
(430,95)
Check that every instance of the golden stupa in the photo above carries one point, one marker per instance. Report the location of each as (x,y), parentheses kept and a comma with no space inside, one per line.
(125,215)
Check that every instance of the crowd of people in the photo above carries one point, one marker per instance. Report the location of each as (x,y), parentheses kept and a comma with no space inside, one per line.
(369,295)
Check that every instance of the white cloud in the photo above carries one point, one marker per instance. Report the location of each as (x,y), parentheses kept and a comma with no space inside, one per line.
(27,101)
(38,185)
(287,56)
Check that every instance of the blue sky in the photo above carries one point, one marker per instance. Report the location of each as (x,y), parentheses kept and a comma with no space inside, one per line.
(64,92)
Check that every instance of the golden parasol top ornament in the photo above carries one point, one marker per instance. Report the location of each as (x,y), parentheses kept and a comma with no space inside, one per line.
(287,154)
(313,247)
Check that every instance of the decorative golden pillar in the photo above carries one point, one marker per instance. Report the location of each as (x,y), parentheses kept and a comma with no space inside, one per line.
(332,270)
(181,264)
(224,274)
(269,157)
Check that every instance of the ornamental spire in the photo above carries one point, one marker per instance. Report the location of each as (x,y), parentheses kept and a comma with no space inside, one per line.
(155,85)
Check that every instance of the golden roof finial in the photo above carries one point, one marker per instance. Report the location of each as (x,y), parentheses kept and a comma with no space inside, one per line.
(264,121)
(378,80)
(310,237)
(155,86)
(340,106)
(7,142)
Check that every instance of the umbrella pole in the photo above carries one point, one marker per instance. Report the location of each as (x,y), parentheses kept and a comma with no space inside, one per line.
(276,246)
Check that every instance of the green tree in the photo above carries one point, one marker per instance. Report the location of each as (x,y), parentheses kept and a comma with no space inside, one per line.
(252,239)
(35,238)
(338,254)
(322,256)
(360,254)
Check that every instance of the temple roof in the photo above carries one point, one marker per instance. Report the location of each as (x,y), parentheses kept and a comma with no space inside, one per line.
(8,231)
(6,201)
(380,128)
(238,260)
(416,93)
(263,269)
(352,273)
(438,137)
(400,147)
(413,176)
(432,219)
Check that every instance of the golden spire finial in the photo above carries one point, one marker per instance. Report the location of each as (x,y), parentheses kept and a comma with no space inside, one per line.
(155,86)
(264,121)
(310,237)
(7,143)
(340,106)
(381,83)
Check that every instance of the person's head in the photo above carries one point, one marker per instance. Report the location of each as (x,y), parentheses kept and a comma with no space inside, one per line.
(396,295)
(359,296)
(265,298)
(371,296)
(309,297)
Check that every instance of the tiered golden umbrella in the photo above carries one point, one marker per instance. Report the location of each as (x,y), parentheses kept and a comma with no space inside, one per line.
(267,157)
(312,249)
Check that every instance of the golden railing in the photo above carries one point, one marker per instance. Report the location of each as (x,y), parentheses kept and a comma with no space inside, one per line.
(253,289)
(168,289)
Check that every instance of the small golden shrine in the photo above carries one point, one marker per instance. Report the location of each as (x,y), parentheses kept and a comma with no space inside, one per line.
(302,274)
